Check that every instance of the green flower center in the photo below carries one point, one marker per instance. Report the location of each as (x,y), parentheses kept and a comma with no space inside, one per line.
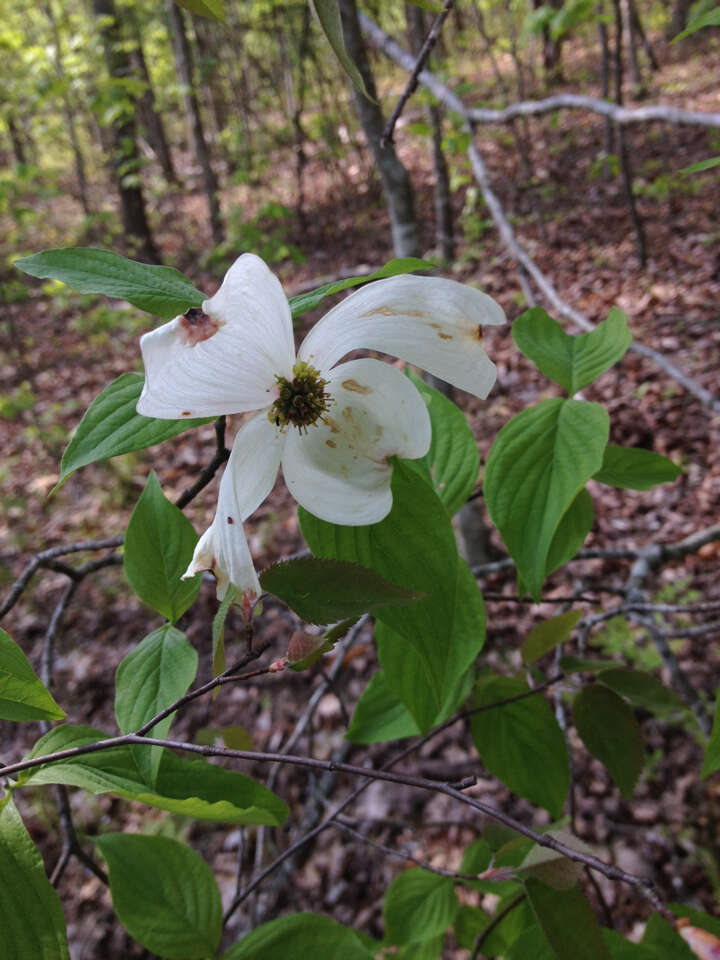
(301,401)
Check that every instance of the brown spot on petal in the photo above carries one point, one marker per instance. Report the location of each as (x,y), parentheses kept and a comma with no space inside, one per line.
(230,520)
(445,336)
(435,326)
(186,413)
(334,428)
(196,326)
(479,333)
(383,311)
(354,387)
(331,443)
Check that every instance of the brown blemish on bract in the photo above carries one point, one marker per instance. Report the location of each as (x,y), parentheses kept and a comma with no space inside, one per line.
(354,387)
(479,333)
(445,336)
(383,311)
(186,413)
(334,428)
(196,326)
(331,443)
(230,520)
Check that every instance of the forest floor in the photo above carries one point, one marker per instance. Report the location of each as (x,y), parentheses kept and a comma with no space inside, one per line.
(60,350)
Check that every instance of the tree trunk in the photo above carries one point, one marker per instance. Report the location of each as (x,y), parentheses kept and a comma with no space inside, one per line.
(396,182)
(68,109)
(605,72)
(444,221)
(210,78)
(16,139)
(125,156)
(151,119)
(631,45)
(183,62)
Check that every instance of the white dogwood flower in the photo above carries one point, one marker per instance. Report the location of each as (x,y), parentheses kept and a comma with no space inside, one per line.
(332,426)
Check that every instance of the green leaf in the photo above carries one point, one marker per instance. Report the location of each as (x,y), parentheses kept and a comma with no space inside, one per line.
(608,728)
(537,465)
(111,427)
(328,16)
(322,591)
(711,763)
(521,743)
(379,715)
(151,677)
(164,894)
(697,918)
(299,935)
(573,362)
(632,468)
(568,922)
(192,788)
(622,949)
(451,464)
(308,301)
(418,905)
(159,545)
(532,942)
(22,695)
(413,545)
(31,918)
(548,635)
(405,673)
(213,9)
(704,18)
(665,943)
(571,532)
(708,164)
(162,291)
(642,689)
(303,655)
(469,922)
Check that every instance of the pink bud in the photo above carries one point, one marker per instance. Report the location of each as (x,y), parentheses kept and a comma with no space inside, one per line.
(704,945)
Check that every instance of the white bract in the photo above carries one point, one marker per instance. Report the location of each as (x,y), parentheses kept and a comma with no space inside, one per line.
(332,426)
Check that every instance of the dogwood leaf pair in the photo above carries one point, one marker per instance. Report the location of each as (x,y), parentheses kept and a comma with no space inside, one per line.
(332,426)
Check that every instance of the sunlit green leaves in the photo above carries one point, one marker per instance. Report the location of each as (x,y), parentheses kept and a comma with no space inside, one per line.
(414,545)
(151,677)
(632,468)
(300,935)
(22,695)
(608,728)
(162,291)
(191,788)
(164,894)
(111,426)
(451,464)
(705,15)
(308,301)
(31,918)
(159,545)
(418,906)
(521,742)
(573,362)
(538,464)
(322,591)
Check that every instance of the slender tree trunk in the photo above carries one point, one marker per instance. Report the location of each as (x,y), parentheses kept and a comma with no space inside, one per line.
(125,156)
(622,151)
(444,220)
(16,139)
(631,45)
(68,110)
(183,62)
(678,17)
(151,119)
(644,40)
(210,77)
(394,176)
(605,72)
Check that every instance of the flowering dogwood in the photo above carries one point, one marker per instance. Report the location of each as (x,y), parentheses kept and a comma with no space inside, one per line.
(332,426)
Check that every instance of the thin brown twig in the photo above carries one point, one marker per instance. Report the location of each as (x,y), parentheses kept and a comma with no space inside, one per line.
(411,85)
